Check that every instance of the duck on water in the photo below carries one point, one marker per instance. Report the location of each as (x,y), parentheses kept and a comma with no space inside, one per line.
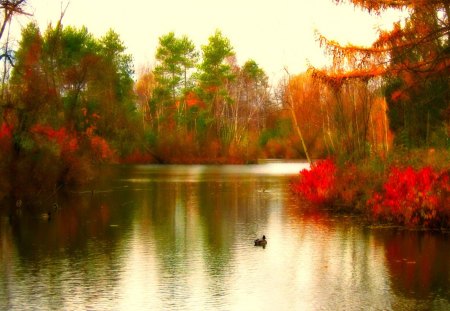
(261,242)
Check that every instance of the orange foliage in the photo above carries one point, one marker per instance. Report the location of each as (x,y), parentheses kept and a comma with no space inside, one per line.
(143,88)
(388,55)
(192,100)
(380,134)
(304,96)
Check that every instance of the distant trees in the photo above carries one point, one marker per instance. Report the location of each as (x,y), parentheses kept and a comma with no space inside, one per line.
(202,105)
(70,99)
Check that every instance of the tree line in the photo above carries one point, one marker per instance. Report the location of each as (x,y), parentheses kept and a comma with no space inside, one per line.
(202,105)
(70,101)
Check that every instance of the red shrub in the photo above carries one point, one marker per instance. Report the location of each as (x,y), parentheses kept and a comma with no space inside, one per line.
(412,197)
(317,184)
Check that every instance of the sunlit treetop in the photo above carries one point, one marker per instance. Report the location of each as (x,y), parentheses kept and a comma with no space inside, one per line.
(380,5)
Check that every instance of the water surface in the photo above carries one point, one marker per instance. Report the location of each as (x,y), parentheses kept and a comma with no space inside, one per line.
(181,238)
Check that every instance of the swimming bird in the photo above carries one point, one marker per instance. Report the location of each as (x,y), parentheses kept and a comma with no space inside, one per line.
(46,216)
(261,242)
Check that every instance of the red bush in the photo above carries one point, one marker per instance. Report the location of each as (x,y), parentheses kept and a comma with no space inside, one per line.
(411,197)
(317,185)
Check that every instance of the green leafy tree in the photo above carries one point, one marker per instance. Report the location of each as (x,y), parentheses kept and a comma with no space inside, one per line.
(176,57)
(112,90)
(214,75)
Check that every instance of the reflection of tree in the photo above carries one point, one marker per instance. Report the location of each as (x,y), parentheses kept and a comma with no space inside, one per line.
(417,262)
(77,251)
(193,228)
(223,205)
(217,209)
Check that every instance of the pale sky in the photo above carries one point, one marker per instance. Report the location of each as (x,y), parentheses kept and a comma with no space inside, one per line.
(275,33)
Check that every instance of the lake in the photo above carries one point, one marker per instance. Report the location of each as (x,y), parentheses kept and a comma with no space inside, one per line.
(181,238)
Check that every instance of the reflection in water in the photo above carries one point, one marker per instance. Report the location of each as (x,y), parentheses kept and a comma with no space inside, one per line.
(181,237)
(419,265)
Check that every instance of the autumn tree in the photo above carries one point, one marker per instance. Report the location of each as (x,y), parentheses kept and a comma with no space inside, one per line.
(348,120)
(71,105)
(413,60)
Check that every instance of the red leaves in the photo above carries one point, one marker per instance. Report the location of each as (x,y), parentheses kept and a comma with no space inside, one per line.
(412,197)
(71,145)
(67,142)
(317,185)
(409,197)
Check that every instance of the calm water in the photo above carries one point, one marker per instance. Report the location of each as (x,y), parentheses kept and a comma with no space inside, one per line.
(180,238)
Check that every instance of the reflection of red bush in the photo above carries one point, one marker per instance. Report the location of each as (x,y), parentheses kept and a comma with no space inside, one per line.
(138,157)
(416,261)
(317,185)
(411,197)
(5,131)
(5,136)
